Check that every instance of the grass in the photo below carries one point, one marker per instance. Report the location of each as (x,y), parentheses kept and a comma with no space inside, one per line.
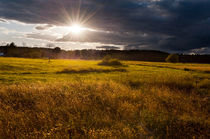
(90,70)
(80,99)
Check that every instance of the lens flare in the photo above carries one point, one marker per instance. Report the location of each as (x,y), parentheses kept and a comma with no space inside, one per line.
(76,29)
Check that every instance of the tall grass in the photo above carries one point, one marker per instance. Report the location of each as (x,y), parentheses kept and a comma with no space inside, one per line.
(101,109)
(140,100)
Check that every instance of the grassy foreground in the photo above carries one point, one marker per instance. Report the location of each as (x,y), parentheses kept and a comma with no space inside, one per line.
(79,99)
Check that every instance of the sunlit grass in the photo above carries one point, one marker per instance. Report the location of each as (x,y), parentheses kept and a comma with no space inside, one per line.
(160,100)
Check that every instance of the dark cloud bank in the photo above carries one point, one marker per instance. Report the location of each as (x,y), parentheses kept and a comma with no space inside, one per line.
(171,25)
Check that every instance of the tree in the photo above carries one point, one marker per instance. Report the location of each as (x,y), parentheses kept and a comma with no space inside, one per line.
(49,45)
(57,49)
(172,58)
(12,45)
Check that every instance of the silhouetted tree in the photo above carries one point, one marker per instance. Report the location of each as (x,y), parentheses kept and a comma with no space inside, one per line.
(57,49)
(12,45)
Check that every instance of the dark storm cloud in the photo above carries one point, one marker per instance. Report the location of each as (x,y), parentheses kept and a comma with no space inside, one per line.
(168,24)
(109,37)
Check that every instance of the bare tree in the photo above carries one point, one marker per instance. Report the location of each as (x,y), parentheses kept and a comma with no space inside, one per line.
(50,45)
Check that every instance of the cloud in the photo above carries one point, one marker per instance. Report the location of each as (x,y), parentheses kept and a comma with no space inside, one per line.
(6,31)
(40,36)
(3,20)
(138,46)
(43,27)
(203,50)
(172,25)
(108,47)
(109,37)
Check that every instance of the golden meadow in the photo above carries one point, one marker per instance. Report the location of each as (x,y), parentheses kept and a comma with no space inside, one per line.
(81,99)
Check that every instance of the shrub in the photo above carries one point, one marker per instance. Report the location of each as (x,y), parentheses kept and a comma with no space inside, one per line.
(172,58)
(108,61)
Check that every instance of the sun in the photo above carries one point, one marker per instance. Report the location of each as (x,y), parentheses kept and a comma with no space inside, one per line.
(76,29)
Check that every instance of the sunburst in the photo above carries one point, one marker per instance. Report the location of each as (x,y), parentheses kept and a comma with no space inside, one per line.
(76,29)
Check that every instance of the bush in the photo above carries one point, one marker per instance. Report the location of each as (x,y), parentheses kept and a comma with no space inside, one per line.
(172,58)
(108,61)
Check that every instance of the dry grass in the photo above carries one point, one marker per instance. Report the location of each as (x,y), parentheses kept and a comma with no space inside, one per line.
(101,110)
(90,70)
(142,102)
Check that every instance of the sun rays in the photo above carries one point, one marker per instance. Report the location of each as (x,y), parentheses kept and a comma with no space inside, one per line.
(76,29)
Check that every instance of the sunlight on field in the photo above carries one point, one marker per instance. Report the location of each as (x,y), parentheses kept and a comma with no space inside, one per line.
(80,99)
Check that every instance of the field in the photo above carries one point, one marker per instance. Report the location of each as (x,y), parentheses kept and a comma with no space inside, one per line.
(80,99)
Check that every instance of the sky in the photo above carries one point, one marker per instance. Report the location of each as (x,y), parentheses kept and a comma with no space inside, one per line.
(178,26)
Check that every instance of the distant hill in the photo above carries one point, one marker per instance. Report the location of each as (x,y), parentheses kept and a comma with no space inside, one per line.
(135,55)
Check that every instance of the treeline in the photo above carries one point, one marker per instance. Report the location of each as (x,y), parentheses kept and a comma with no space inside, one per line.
(57,53)
(137,55)
(194,58)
